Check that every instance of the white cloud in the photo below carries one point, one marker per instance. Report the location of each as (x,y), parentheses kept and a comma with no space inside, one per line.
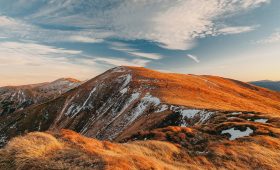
(19,29)
(123,62)
(173,24)
(146,55)
(194,58)
(7,22)
(236,30)
(23,53)
(27,62)
(134,52)
(273,38)
(84,39)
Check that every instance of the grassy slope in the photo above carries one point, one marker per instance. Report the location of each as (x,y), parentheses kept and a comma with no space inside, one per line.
(210,92)
(69,150)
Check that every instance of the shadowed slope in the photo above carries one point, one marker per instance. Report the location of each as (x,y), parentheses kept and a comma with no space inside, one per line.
(13,98)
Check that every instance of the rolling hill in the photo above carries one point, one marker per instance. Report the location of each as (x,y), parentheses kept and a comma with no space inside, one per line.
(149,120)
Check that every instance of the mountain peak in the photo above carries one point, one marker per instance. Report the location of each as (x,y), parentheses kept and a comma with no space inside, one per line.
(69,79)
(197,115)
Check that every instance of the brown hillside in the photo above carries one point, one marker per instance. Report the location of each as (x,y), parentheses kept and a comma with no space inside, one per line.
(125,100)
(210,92)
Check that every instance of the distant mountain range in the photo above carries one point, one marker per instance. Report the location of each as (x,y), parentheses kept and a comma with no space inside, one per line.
(272,85)
(148,119)
(13,98)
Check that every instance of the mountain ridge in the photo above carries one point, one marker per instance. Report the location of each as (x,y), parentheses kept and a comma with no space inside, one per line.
(136,118)
(13,98)
(269,84)
(125,100)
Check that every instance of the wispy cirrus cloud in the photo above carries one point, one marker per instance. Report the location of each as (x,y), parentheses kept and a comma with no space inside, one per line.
(122,61)
(172,24)
(7,22)
(83,39)
(273,38)
(194,58)
(26,53)
(27,62)
(23,30)
(134,52)
(236,30)
(152,56)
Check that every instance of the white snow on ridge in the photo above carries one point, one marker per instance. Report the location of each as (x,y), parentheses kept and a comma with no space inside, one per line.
(133,97)
(162,108)
(236,113)
(237,133)
(151,99)
(74,109)
(146,101)
(3,139)
(202,115)
(205,116)
(127,79)
(119,69)
(189,113)
(261,120)
(123,90)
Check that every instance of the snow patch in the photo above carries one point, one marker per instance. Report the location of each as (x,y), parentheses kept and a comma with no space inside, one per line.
(261,120)
(123,91)
(145,102)
(127,79)
(205,116)
(3,139)
(200,116)
(74,109)
(162,108)
(119,69)
(235,133)
(236,113)
(189,113)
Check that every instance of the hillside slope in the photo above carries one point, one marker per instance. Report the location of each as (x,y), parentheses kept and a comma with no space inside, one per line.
(125,100)
(14,98)
(69,150)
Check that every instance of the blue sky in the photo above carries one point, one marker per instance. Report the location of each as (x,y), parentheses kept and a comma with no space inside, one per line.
(42,40)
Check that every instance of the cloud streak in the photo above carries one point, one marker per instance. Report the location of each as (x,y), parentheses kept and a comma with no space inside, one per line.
(273,38)
(26,62)
(23,53)
(122,61)
(194,58)
(172,24)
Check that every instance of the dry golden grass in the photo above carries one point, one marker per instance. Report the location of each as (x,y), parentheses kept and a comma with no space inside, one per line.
(209,92)
(69,150)
(23,151)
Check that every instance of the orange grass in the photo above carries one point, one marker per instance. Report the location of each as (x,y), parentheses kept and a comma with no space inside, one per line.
(209,92)
(69,150)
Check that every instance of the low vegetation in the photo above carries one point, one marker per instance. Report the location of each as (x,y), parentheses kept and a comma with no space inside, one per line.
(70,150)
